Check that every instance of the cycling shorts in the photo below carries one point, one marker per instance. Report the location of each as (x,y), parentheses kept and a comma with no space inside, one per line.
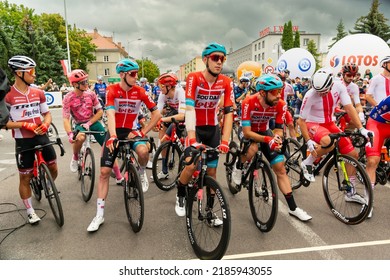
(381,133)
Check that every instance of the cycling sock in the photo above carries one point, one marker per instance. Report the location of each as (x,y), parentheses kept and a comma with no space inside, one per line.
(117,172)
(76,156)
(309,160)
(164,166)
(28,205)
(181,190)
(290,201)
(100,207)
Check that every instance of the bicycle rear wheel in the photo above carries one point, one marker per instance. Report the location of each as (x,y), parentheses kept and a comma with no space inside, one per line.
(208,239)
(336,186)
(263,197)
(51,193)
(294,158)
(229,168)
(166,181)
(134,198)
(87,174)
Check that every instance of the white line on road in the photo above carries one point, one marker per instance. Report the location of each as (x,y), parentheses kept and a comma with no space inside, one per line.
(8,161)
(1,169)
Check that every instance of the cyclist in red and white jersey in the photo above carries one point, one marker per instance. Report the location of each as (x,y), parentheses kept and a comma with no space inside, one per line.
(317,121)
(124,101)
(379,86)
(203,91)
(26,106)
(287,91)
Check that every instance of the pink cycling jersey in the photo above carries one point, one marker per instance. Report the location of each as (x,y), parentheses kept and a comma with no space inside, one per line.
(81,107)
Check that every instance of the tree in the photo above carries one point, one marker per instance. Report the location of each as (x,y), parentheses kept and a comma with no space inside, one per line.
(341,33)
(150,69)
(297,40)
(287,36)
(374,23)
(312,48)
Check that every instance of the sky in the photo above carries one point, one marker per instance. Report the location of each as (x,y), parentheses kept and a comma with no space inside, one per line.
(173,32)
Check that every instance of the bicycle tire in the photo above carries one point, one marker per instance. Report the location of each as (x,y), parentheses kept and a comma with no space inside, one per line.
(229,168)
(293,163)
(173,153)
(263,197)
(88,174)
(51,193)
(350,213)
(134,198)
(208,242)
(36,187)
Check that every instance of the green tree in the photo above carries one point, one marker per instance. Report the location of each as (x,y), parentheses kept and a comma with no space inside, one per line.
(287,36)
(297,40)
(150,69)
(312,48)
(374,23)
(341,33)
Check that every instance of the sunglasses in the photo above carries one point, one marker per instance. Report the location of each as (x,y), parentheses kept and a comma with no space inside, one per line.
(275,92)
(30,71)
(132,73)
(349,75)
(216,58)
(83,83)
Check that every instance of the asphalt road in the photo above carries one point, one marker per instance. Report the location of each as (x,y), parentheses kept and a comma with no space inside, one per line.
(163,236)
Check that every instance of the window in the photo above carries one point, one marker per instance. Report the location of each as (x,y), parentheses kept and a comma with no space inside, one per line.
(305,41)
(105,58)
(255,47)
(262,44)
(107,72)
(255,58)
(259,46)
(262,56)
(258,57)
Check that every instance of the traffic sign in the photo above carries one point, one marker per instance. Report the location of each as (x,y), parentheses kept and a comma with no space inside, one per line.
(269,69)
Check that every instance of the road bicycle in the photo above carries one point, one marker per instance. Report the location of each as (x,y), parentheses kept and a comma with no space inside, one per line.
(43,181)
(258,178)
(204,201)
(132,186)
(170,152)
(86,164)
(337,182)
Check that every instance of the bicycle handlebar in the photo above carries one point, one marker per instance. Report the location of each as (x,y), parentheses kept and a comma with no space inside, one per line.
(198,151)
(334,136)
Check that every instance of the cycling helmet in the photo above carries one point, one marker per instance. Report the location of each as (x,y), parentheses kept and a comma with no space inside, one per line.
(268,82)
(126,65)
(282,75)
(77,75)
(100,78)
(143,80)
(20,62)
(350,68)
(213,47)
(168,79)
(322,80)
(244,79)
(385,60)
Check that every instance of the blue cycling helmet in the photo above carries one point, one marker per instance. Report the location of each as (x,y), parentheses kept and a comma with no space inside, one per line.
(268,82)
(213,47)
(125,65)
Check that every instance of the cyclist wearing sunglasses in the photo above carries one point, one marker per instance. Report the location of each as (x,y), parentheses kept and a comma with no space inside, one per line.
(258,110)
(124,100)
(203,91)
(27,106)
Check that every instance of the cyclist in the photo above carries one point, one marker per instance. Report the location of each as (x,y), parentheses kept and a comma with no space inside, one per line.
(124,101)
(26,106)
(145,85)
(100,89)
(203,91)
(317,121)
(241,90)
(86,111)
(287,93)
(172,97)
(258,110)
(378,88)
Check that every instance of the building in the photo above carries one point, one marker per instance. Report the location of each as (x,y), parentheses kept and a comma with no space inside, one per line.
(107,54)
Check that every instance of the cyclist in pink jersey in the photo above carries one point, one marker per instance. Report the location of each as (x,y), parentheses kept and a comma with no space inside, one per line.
(203,91)
(123,105)
(27,105)
(317,121)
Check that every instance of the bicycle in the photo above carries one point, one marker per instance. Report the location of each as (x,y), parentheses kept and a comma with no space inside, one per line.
(261,186)
(170,151)
(132,187)
(336,182)
(204,200)
(42,180)
(86,164)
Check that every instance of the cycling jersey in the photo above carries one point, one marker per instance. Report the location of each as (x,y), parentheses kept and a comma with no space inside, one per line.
(379,87)
(320,109)
(26,107)
(156,93)
(127,104)
(100,90)
(177,102)
(287,90)
(258,117)
(381,112)
(353,91)
(81,107)
(204,97)
(238,92)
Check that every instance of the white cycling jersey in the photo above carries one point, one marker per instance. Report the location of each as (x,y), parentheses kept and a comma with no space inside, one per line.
(320,109)
(353,91)
(178,102)
(379,87)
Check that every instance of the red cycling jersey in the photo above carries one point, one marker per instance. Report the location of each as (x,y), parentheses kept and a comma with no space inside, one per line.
(205,97)
(257,117)
(127,104)
(26,107)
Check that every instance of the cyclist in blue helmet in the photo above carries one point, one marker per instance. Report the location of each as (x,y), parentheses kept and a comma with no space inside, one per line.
(127,65)
(218,50)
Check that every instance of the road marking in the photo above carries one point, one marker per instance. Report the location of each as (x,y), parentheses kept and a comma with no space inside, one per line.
(1,169)
(8,161)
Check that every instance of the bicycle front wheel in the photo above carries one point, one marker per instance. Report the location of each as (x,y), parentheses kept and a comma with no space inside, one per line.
(294,157)
(87,174)
(167,154)
(350,200)
(36,187)
(263,197)
(51,193)
(229,168)
(208,220)
(134,198)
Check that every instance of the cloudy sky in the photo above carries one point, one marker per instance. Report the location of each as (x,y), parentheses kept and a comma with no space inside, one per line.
(175,31)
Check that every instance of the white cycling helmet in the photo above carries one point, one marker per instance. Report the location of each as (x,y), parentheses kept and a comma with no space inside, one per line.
(322,80)
(143,80)
(19,62)
(385,60)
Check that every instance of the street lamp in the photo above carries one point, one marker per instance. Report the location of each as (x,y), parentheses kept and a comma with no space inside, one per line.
(30,30)
(128,46)
(67,39)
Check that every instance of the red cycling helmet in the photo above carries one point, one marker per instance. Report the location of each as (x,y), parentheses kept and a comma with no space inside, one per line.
(168,79)
(350,68)
(77,76)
